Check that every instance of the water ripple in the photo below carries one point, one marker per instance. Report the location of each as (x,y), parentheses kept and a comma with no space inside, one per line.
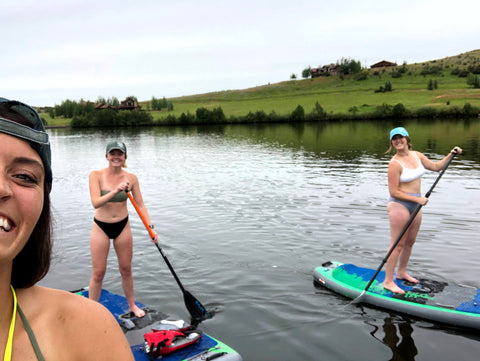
(244,222)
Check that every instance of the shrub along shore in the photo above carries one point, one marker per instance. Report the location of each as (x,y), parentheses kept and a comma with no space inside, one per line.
(204,116)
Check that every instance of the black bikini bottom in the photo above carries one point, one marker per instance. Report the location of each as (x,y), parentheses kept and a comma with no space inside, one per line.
(112,230)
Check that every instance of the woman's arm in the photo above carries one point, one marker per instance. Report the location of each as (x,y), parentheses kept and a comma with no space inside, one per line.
(137,196)
(96,194)
(437,166)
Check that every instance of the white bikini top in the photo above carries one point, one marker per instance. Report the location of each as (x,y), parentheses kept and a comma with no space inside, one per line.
(409,174)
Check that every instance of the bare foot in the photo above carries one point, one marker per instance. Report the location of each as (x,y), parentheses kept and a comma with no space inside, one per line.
(137,311)
(406,277)
(392,287)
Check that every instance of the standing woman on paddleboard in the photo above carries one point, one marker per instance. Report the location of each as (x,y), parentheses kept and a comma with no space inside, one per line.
(108,189)
(38,323)
(404,184)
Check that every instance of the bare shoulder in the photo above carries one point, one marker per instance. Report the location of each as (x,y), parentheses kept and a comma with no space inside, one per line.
(74,317)
(424,159)
(131,176)
(132,179)
(68,301)
(419,154)
(95,173)
(394,164)
(78,308)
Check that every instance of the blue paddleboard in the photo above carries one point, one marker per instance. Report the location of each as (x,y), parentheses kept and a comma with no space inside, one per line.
(207,348)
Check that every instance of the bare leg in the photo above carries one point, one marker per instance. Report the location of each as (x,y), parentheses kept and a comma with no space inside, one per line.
(389,283)
(124,248)
(410,237)
(99,247)
(399,216)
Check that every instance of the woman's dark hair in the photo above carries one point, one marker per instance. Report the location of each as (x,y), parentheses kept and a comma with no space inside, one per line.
(33,261)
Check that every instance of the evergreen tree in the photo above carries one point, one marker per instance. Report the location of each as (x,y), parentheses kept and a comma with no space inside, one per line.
(307,72)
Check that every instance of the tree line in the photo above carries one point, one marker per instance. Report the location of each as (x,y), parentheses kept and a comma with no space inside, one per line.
(203,116)
(71,108)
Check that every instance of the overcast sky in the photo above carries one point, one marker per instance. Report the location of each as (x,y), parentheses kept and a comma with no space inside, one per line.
(55,50)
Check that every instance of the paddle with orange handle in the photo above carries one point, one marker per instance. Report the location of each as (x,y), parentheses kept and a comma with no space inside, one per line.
(194,307)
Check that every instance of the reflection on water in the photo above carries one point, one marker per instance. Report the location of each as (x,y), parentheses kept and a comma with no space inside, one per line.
(350,140)
(246,212)
(397,335)
(401,343)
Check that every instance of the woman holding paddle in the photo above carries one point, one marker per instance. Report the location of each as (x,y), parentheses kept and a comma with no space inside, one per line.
(38,322)
(108,193)
(404,184)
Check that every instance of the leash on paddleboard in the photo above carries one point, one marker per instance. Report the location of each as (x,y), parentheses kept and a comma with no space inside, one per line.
(412,217)
(194,307)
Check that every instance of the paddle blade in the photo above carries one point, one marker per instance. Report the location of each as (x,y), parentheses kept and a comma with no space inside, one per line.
(358,299)
(196,309)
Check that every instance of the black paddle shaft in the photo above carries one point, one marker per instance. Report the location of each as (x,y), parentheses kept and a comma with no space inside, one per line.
(196,309)
(170,267)
(412,217)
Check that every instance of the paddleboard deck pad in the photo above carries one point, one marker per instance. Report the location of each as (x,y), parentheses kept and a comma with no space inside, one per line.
(134,328)
(441,302)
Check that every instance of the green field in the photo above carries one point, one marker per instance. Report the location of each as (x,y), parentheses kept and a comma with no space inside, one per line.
(339,95)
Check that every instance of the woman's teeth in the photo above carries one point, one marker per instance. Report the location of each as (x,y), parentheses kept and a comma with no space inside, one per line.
(5,224)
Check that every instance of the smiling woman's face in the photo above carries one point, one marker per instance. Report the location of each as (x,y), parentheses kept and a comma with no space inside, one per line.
(398,141)
(116,157)
(22,177)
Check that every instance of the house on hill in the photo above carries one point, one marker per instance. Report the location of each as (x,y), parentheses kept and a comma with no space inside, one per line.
(101,106)
(129,103)
(383,64)
(332,69)
(314,72)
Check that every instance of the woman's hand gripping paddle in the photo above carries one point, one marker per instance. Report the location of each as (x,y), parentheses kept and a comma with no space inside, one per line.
(412,217)
(194,307)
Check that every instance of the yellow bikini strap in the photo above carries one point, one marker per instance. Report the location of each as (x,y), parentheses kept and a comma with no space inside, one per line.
(8,348)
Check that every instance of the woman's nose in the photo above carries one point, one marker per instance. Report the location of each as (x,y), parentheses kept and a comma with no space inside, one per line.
(5,190)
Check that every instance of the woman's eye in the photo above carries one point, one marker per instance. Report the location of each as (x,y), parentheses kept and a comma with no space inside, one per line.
(26,178)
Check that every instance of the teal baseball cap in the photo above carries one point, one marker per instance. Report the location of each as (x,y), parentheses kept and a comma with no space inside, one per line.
(399,130)
(22,121)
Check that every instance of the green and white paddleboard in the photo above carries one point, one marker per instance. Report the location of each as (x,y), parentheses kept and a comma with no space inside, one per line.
(441,302)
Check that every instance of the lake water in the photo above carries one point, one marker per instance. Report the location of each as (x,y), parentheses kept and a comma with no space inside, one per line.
(246,212)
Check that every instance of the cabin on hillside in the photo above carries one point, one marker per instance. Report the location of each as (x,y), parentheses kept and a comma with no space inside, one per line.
(383,64)
(332,69)
(101,106)
(128,104)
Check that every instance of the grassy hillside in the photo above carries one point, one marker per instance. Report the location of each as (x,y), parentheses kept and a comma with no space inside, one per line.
(339,95)
(342,95)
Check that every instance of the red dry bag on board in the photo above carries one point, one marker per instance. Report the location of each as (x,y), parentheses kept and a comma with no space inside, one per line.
(158,343)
